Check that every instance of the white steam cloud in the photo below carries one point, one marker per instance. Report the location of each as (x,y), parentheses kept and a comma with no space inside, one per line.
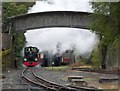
(82,40)
(61,5)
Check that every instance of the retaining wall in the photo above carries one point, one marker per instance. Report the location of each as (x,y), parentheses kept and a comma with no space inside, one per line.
(6,50)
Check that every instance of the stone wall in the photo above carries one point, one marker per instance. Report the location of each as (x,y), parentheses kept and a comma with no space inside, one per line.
(6,40)
(6,50)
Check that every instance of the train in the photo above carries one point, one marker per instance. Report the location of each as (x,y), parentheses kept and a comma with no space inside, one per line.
(33,57)
(30,58)
(66,57)
(47,59)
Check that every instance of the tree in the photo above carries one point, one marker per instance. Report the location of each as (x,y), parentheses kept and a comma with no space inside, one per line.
(106,24)
(12,9)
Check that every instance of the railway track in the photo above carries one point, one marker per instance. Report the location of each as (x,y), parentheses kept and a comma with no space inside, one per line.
(41,82)
(103,71)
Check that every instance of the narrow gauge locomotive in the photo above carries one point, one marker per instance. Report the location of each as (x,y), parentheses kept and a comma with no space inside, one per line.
(30,56)
(67,57)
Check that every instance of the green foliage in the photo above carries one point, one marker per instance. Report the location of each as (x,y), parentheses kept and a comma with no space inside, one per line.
(115,46)
(19,43)
(84,61)
(106,20)
(113,55)
(81,61)
(59,68)
(116,43)
(95,58)
(101,7)
(13,8)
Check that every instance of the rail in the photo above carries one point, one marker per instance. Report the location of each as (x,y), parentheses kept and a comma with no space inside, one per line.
(41,82)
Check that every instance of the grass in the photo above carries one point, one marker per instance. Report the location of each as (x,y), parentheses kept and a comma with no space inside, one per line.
(57,68)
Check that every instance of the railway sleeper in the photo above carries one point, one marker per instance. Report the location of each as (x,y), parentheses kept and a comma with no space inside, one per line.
(70,78)
(107,80)
(79,82)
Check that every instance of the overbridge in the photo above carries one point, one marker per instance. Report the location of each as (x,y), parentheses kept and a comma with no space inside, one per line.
(49,19)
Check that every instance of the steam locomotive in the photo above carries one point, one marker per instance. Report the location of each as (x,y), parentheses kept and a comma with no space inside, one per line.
(30,58)
(47,59)
(66,57)
(33,57)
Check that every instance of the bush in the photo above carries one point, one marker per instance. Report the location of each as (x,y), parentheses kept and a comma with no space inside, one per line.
(95,58)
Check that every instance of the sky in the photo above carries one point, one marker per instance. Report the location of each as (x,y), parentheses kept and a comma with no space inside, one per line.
(84,41)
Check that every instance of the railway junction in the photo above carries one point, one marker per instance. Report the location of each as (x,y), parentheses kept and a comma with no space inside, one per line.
(17,79)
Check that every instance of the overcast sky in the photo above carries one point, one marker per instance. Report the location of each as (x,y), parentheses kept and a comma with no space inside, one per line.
(47,38)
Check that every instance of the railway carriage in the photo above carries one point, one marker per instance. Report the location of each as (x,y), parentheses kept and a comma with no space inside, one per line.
(45,58)
(68,57)
(30,58)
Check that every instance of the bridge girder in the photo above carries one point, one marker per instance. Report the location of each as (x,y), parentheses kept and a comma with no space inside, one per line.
(49,19)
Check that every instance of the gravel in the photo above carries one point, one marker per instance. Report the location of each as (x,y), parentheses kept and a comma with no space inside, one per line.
(12,79)
(91,78)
